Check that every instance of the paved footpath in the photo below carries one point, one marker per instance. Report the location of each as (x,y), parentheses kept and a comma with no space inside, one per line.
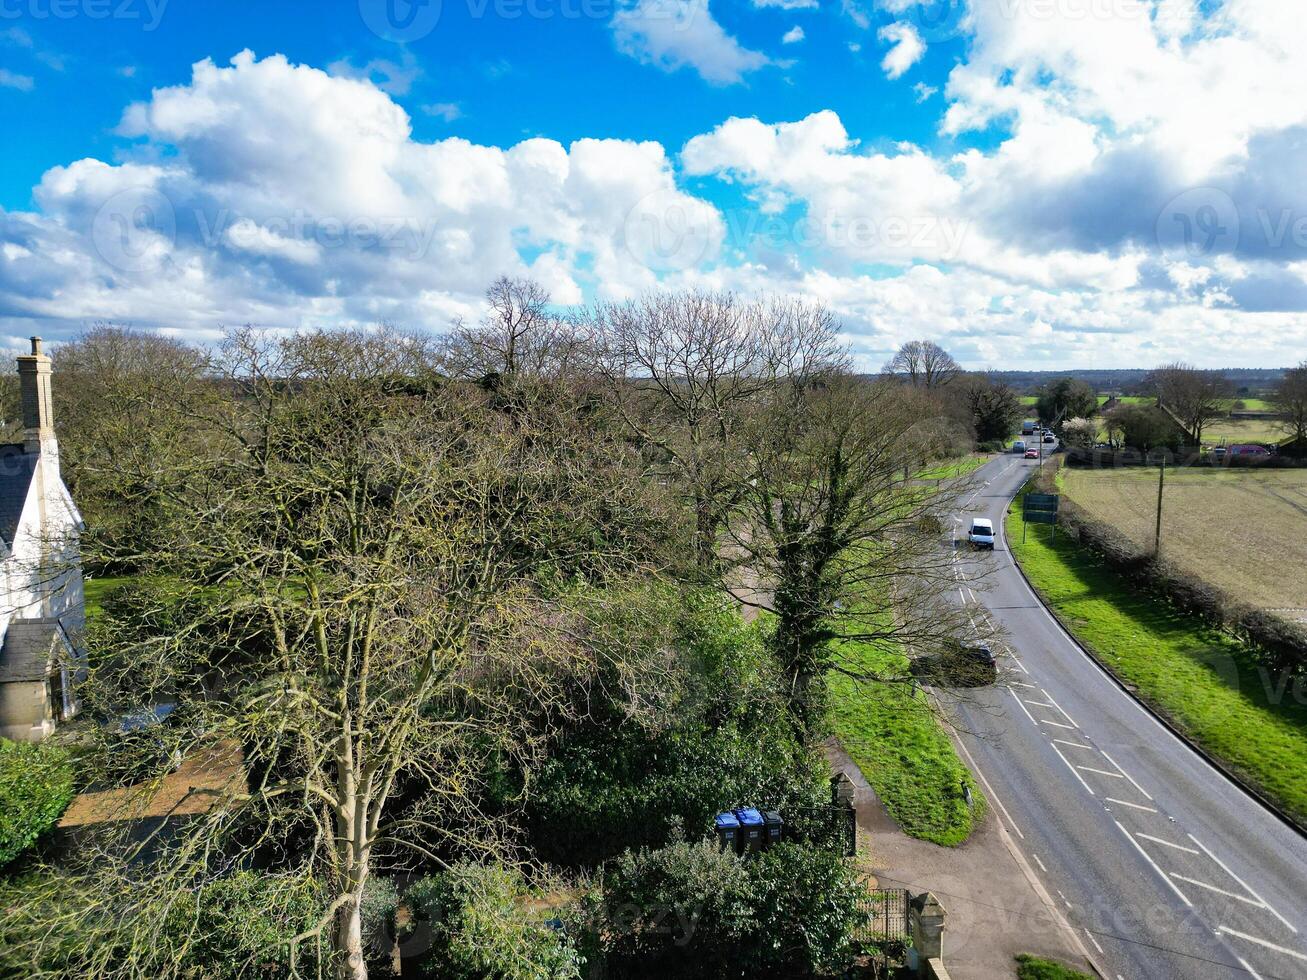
(993,904)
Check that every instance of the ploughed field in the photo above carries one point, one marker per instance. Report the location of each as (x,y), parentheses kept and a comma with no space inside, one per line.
(1244,531)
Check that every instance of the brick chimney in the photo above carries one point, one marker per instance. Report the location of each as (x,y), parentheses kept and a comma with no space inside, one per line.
(38,409)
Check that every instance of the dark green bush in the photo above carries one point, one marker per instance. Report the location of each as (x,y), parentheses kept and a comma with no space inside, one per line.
(692,910)
(36,786)
(482,928)
(712,735)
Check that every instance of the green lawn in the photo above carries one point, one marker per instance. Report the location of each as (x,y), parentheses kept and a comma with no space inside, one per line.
(954,468)
(1036,968)
(895,738)
(96,589)
(1200,677)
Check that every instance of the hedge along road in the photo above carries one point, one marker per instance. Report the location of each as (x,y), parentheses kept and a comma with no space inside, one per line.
(1164,867)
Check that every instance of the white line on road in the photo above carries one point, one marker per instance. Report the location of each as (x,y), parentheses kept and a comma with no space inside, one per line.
(1023,707)
(1219,891)
(1037,704)
(1059,707)
(1017,683)
(988,788)
(1262,942)
(1127,776)
(1093,940)
(1073,770)
(1136,806)
(1074,745)
(1160,873)
(1101,772)
(1244,884)
(1057,724)
(1167,843)
(1248,969)
(1039,862)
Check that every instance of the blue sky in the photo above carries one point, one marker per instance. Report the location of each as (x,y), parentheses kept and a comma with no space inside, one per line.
(1034,183)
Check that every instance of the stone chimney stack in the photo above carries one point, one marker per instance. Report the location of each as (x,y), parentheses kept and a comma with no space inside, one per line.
(38,409)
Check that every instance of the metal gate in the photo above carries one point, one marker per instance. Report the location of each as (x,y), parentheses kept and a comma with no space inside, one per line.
(886,922)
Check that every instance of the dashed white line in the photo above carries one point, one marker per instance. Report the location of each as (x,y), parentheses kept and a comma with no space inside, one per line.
(1073,770)
(1244,884)
(1039,862)
(1167,843)
(1160,873)
(1093,940)
(1262,942)
(1136,806)
(1248,969)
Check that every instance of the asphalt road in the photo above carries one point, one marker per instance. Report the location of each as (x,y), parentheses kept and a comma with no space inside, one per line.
(1162,865)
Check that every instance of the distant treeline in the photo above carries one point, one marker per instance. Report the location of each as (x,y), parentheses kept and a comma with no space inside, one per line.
(1126,379)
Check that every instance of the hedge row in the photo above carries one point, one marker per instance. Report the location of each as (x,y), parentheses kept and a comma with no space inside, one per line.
(36,786)
(1276,643)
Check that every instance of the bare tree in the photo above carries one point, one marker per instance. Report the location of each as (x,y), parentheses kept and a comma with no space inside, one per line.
(520,337)
(685,370)
(1290,397)
(924,363)
(1196,398)
(363,555)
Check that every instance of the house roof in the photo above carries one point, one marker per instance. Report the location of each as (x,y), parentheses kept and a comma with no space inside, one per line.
(16,469)
(28,646)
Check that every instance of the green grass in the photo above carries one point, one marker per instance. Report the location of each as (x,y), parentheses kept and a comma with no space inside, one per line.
(1201,678)
(954,468)
(893,735)
(96,589)
(1036,968)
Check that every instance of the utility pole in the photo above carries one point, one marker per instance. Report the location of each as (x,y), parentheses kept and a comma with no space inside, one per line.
(1161,482)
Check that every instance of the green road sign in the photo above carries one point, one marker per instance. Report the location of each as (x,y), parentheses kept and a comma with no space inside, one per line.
(1040,508)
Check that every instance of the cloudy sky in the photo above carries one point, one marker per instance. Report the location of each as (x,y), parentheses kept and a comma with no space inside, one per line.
(1033,183)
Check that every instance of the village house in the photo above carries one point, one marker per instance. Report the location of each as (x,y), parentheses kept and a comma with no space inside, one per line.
(42,610)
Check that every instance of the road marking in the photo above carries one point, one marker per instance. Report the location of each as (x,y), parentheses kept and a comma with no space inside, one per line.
(1167,843)
(1039,862)
(1161,874)
(1023,707)
(1064,901)
(1059,707)
(1262,942)
(990,789)
(1037,704)
(1137,806)
(1248,969)
(1074,745)
(1093,940)
(1219,891)
(1101,772)
(1073,770)
(1021,665)
(1057,724)
(1017,683)
(1244,884)
(1127,776)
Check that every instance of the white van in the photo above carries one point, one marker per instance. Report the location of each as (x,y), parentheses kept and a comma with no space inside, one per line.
(982,533)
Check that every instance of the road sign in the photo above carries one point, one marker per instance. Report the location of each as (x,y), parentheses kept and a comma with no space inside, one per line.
(1039,508)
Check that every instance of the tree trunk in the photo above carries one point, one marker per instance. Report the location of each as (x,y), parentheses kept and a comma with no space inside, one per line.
(349,941)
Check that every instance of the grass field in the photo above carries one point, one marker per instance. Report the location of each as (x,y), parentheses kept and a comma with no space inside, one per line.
(96,589)
(1231,432)
(1199,677)
(1244,531)
(893,735)
(954,468)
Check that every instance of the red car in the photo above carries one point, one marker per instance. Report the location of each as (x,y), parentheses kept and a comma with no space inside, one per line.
(1032,454)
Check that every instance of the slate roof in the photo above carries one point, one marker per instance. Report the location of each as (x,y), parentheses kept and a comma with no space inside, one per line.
(25,655)
(16,470)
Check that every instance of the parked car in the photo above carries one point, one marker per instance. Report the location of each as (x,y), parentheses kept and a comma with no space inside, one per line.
(1218,453)
(1246,451)
(1032,454)
(982,533)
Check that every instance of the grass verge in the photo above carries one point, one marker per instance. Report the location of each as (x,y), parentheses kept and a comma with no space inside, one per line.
(954,468)
(1202,679)
(1036,968)
(892,734)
